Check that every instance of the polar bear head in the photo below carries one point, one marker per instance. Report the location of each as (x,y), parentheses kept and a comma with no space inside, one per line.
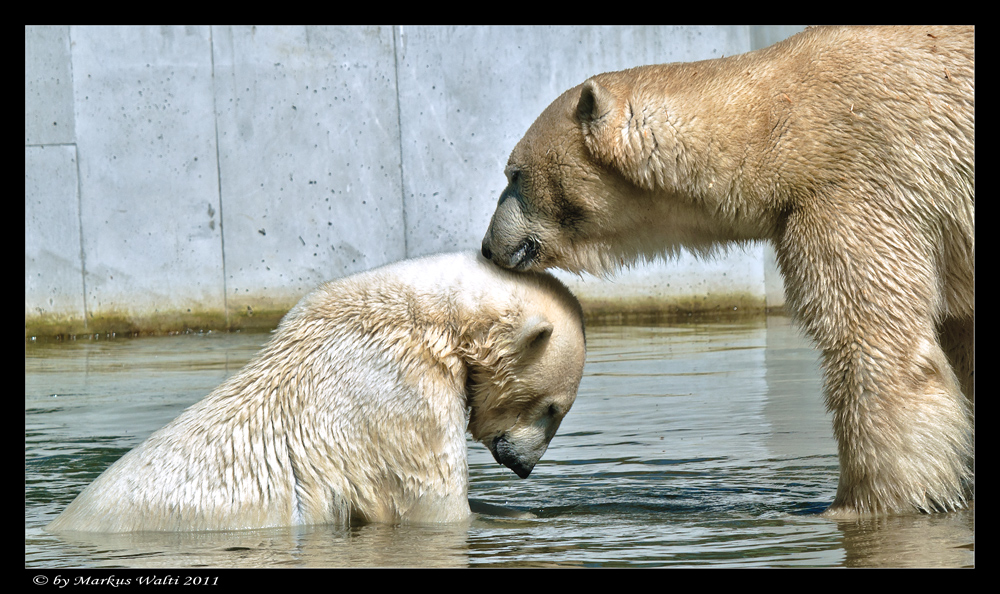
(524,370)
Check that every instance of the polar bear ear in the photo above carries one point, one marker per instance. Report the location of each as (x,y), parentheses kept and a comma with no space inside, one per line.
(618,137)
(596,102)
(535,330)
(598,112)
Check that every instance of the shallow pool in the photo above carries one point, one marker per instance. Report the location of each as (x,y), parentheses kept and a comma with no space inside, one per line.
(702,444)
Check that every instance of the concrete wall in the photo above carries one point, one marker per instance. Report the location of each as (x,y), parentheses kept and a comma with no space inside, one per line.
(207,177)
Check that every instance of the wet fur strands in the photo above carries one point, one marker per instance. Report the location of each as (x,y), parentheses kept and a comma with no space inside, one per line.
(357,408)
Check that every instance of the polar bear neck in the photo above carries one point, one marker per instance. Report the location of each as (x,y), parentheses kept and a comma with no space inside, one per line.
(699,137)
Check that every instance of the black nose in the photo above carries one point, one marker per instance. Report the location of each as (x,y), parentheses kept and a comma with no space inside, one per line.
(487,252)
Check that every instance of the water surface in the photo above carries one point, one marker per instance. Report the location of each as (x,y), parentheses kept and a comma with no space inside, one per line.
(702,444)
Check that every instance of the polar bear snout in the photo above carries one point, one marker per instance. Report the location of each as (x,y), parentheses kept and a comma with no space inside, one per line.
(522,446)
(505,452)
(508,242)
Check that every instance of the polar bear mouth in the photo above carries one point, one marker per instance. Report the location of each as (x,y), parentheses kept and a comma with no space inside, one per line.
(522,258)
(525,254)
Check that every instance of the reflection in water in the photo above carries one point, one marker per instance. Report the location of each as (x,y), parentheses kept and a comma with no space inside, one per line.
(688,445)
(308,546)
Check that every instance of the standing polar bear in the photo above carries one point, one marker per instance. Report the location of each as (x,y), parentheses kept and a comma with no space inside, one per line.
(853,151)
(357,408)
